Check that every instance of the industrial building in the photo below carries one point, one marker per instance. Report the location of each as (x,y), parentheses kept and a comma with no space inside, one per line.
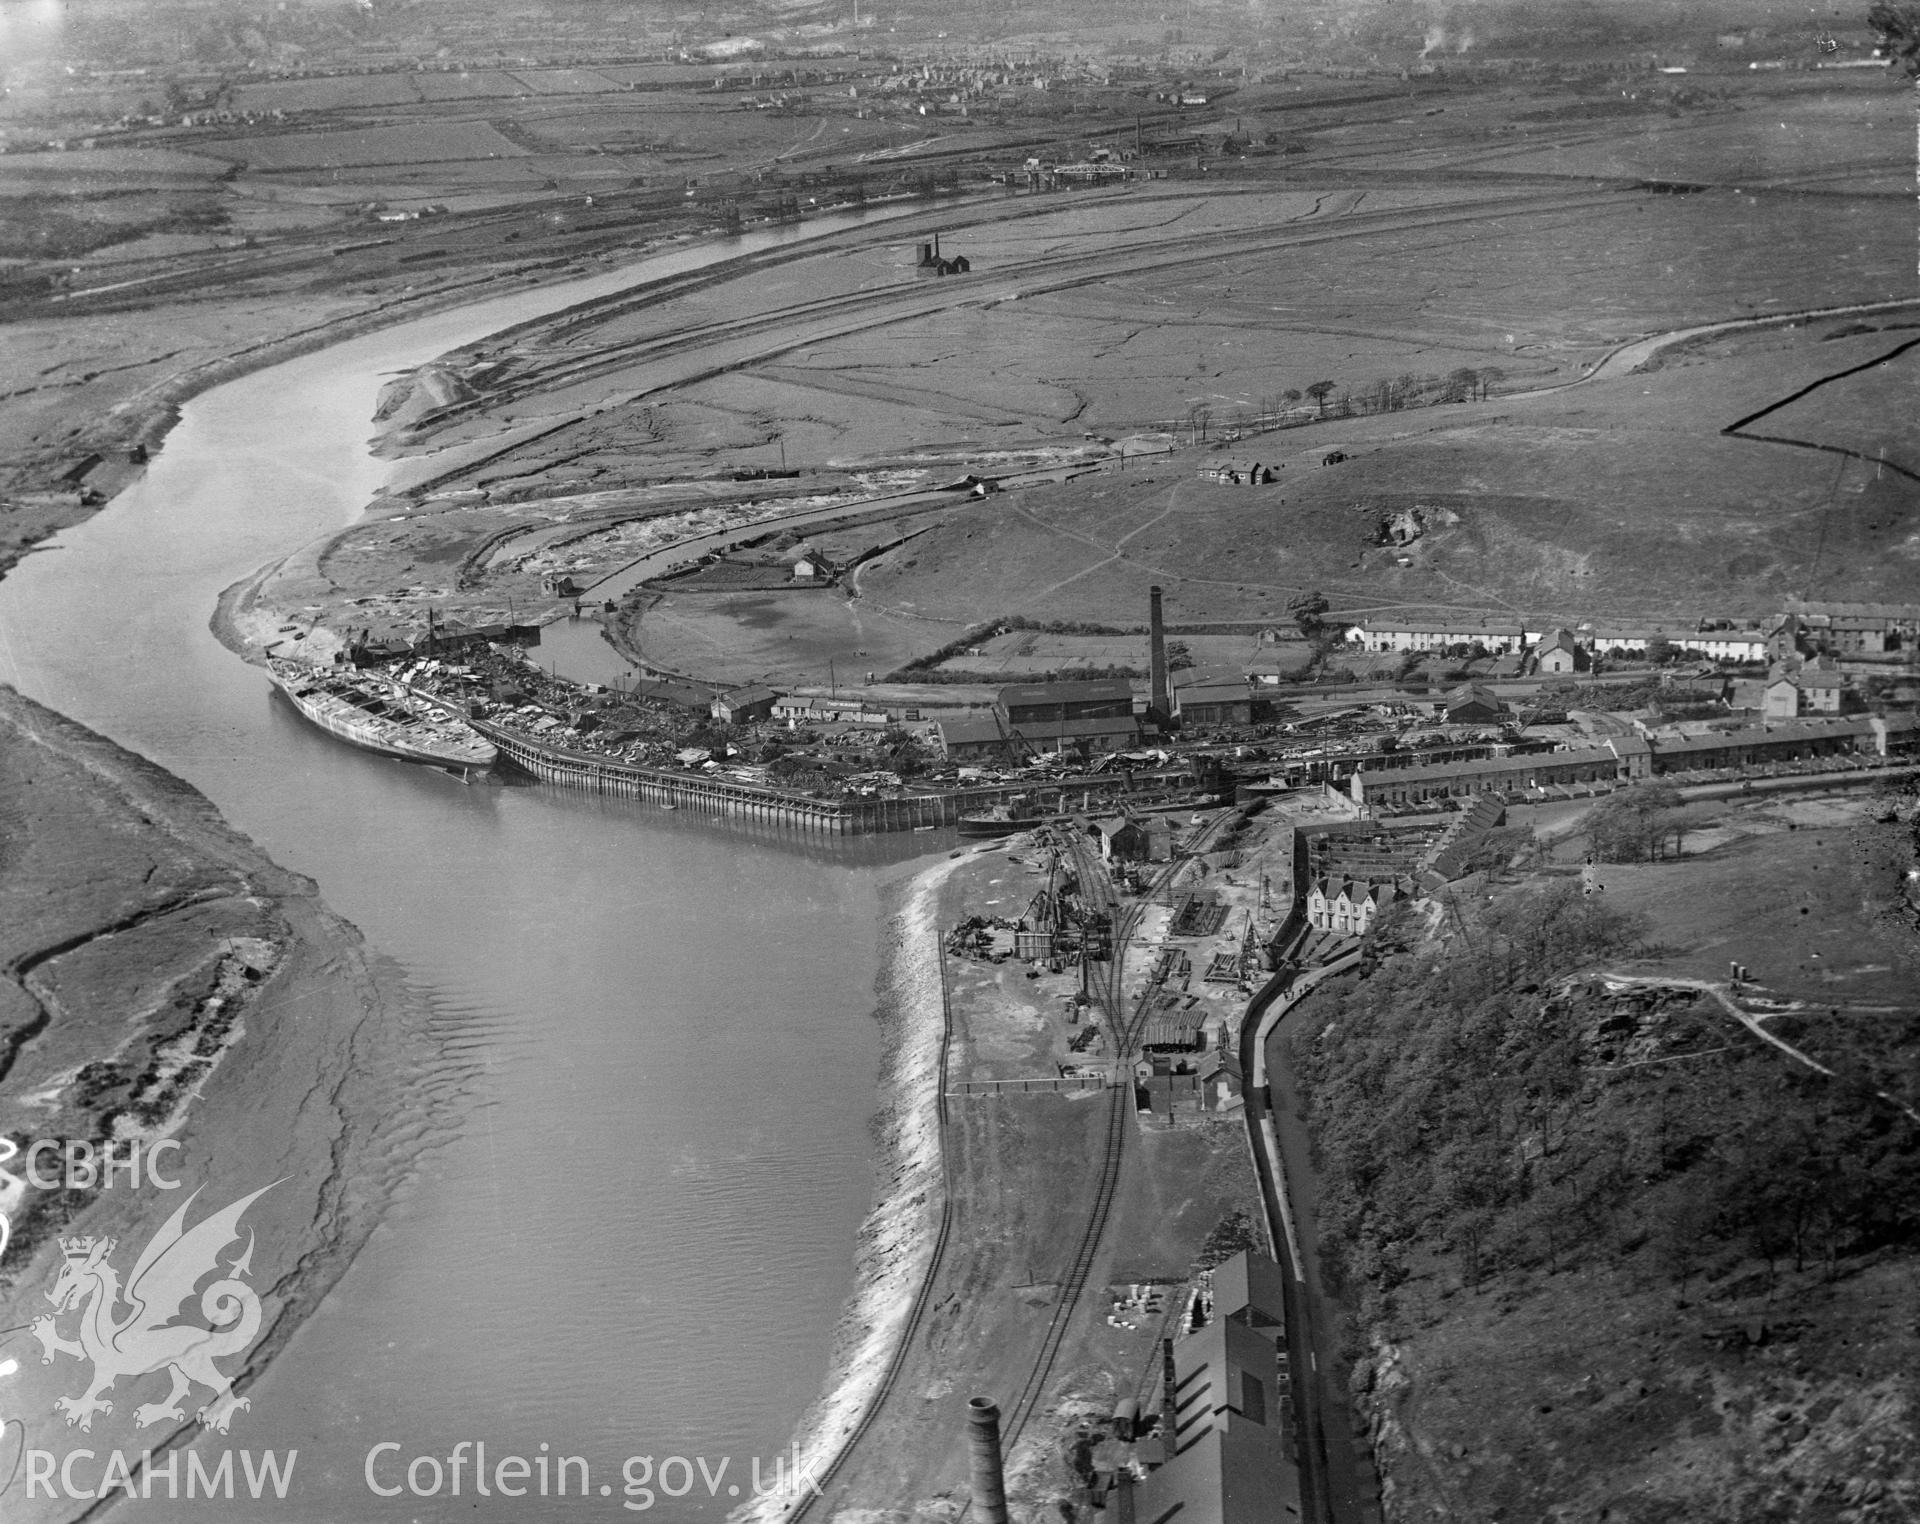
(1094,716)
(1228,1459)
(1121,840)
(743,706)
(1471,704)
(797,711)
(932,262)
(1216,699)
(974,737)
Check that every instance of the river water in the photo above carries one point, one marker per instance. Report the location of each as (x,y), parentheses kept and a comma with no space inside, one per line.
(639,1236)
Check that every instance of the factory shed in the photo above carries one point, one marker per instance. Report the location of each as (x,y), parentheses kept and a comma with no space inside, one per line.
(1214,703)
(1470,704)
(1048,703)
(1088,735)
(743,706)
(1121,840)
(1228,1462)
(1220,1086)
(1250,1289)
(672,691)
(972,735)
(1094,716)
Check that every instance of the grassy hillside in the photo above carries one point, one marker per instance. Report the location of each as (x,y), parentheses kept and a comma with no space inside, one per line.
(1610,1254)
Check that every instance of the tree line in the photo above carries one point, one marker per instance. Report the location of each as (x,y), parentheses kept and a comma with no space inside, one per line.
(1330,399)
(1476,1109)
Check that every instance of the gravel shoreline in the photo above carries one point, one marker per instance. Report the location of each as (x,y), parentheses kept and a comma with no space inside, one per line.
(895,1245)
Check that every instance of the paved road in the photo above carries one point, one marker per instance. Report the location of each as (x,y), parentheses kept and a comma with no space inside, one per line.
(1338,1483)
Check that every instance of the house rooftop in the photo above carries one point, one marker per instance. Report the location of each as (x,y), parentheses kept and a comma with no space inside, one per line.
(1093,691)
(971,728)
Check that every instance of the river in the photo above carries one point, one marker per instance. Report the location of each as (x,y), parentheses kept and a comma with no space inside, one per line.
(637,1237)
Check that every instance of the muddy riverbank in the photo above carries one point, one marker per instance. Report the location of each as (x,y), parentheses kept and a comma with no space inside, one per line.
(167,984)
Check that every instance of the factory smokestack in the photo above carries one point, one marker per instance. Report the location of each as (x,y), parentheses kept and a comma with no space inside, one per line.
(1160,703)
(989,1482)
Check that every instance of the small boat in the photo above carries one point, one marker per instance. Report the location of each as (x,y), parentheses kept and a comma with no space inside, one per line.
(380,716)
(1017,814)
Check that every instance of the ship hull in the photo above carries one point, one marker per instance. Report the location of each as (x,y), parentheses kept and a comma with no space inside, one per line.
(993,825)
(375,718)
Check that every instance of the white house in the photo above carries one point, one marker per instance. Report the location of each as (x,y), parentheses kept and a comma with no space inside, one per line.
(1346,905)
(1438,635)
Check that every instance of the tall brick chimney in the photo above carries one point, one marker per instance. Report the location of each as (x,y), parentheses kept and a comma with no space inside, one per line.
(989,1477)
(1160,703)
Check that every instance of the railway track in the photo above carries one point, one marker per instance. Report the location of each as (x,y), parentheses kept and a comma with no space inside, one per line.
(1111,994)
(916,1314)
(1126,1029)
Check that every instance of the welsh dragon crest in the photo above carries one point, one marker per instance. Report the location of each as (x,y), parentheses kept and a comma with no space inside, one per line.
(145,1339)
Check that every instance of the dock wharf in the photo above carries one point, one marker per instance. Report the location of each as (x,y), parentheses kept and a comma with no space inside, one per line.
(907,810)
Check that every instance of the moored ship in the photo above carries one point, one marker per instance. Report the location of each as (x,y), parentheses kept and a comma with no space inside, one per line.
(380,716)
(1015,814)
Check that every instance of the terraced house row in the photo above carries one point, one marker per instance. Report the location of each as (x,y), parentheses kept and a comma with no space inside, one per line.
(1803,628)
(1622,759)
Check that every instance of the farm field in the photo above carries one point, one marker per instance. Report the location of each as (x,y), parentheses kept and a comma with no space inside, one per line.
(426,143)
(1848,412)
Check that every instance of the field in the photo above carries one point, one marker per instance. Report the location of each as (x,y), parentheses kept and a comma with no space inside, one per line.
(1847,412)
(372,146)
(1738,522)
(1765,892)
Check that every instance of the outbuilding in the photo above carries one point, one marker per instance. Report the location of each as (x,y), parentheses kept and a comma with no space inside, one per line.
(743,706)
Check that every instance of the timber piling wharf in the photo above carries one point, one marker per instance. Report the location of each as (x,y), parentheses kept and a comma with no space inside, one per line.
(861,816)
